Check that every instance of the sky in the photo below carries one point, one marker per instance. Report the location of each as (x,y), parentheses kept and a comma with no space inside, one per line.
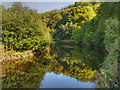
(41,6)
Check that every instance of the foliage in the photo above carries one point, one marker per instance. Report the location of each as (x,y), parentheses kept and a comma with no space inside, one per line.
(65,31)
(22,29)
(109,26)
(90,23)
(69,18)
(78,35)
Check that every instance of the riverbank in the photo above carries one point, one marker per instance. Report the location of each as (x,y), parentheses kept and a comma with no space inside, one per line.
(71,42)
(13,55)
(107,78)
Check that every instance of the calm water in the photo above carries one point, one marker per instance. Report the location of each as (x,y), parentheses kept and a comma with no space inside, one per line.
(66,66)
(51,80)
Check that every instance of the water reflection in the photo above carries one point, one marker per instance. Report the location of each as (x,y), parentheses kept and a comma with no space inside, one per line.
(66,66)
(57,82)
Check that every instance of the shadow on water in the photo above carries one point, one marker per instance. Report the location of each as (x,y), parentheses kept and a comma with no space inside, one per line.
(67,66)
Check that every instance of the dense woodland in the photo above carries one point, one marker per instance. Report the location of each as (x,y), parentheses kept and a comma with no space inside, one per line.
(85,23)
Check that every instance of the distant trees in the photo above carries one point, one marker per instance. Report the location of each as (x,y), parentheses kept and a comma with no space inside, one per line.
(65,31)
(78,35)
(60,20)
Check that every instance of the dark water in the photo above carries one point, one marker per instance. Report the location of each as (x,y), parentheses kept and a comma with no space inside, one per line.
(66,66)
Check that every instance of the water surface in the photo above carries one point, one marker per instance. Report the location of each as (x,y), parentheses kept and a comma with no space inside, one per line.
(51,80)
(66,66)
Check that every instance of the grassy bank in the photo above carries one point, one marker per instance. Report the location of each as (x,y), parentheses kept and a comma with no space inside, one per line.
(13,55)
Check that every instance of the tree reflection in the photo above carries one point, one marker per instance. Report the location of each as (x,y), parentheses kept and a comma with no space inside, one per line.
(77,62)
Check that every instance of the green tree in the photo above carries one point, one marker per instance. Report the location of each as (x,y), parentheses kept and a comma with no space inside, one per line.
(22,29)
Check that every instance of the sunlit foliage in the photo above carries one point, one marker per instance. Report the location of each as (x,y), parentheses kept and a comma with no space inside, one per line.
(22,28)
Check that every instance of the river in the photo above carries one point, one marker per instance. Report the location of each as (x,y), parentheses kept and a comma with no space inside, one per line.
(66,66)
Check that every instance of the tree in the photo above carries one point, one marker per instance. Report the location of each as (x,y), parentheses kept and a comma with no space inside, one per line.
(22,29)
